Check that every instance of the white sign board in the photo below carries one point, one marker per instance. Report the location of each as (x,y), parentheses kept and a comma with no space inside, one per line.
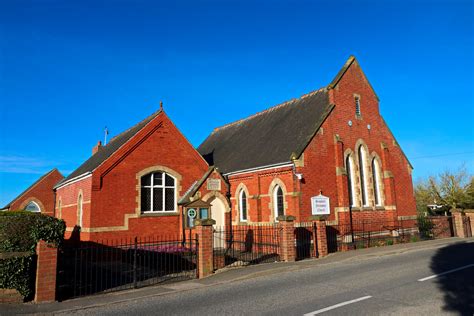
(320,205)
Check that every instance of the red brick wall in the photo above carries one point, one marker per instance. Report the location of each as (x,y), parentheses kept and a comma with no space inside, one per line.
(324,154)
(259,185)
(41,193)
(114,184)
(66,203)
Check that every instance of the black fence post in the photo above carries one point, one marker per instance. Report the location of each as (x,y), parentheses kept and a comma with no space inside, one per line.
(135,264)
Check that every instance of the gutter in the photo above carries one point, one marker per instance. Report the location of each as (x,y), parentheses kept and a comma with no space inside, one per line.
(75,179)
(261,168)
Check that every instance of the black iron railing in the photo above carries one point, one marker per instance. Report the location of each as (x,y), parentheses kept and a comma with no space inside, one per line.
(246,244)
(373,233)
(86,268)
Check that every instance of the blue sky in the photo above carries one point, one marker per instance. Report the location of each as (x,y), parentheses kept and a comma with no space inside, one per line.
(70,68)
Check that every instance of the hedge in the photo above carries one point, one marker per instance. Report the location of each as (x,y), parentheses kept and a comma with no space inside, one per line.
(20,231)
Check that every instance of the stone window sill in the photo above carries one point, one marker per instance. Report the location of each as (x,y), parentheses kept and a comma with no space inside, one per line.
(157,214)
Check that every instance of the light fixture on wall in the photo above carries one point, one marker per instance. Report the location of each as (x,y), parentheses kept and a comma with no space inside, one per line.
(299,176)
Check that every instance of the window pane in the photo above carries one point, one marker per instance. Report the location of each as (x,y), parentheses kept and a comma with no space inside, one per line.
(146,180)
(32,207)
(146,199)
(203,213)
(243,206)
(280,202)
(375,181)
(169,181)
(349,179)
(362,175)
(169,199)
(157,178)
(157,199)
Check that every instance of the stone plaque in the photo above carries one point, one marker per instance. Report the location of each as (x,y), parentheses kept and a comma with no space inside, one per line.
(213,184)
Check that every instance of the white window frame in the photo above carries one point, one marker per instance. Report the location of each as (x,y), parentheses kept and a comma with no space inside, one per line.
(275,201)
(80,209)
(36,204)
(351,177)
(377,182)
(164,187)
(363,175)
(241,198)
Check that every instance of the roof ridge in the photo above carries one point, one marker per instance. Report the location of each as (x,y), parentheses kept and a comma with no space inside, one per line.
(133,126)
(270,109)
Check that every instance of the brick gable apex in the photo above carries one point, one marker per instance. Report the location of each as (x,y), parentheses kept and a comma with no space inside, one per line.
(349,63)
(134,142)
(52,174)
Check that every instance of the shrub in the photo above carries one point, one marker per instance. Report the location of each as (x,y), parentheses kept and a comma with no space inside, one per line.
(20,231)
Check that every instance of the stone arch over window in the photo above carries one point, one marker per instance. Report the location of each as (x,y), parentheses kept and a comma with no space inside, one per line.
(378,187)
(278,204)
(158,190)
(350,166)
(80,208)
(34,205)
(364,171)
(242,198)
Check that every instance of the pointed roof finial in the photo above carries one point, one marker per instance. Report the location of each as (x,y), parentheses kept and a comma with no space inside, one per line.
(161,105)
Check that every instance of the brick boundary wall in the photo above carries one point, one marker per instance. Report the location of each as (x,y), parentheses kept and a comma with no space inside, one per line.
(46,271)
(442,226)
(10,296)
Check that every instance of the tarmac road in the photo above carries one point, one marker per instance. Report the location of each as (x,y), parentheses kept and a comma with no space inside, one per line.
(402,283)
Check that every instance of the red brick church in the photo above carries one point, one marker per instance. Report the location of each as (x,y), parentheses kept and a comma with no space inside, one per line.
(332,141)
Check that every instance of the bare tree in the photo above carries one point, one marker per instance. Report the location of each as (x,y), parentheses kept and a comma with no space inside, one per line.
(447,190)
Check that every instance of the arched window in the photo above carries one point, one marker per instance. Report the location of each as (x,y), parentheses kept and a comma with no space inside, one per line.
(79,211)
(377,181)
(158,192)
(32,207)
(363,175)
(278,203)
(243,206)
(350,179)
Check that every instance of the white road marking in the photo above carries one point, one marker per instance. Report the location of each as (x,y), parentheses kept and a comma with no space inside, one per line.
(319,311)
(450,271)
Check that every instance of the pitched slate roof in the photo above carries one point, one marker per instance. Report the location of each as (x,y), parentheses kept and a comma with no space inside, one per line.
(195,187)
(269,137)
(31,186)
(106,151)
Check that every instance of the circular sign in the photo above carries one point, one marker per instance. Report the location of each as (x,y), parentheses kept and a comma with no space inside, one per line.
(192,213)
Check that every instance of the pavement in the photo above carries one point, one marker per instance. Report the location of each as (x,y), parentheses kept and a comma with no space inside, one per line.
(231,278)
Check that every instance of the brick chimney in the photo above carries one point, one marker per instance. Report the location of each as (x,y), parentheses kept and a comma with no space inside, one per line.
(97,147)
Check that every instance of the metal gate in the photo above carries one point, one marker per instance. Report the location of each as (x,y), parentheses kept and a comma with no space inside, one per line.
(306,243)
(466,222)
(246,244)
(86,268)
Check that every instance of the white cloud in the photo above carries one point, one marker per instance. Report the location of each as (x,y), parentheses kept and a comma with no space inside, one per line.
(22,164)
